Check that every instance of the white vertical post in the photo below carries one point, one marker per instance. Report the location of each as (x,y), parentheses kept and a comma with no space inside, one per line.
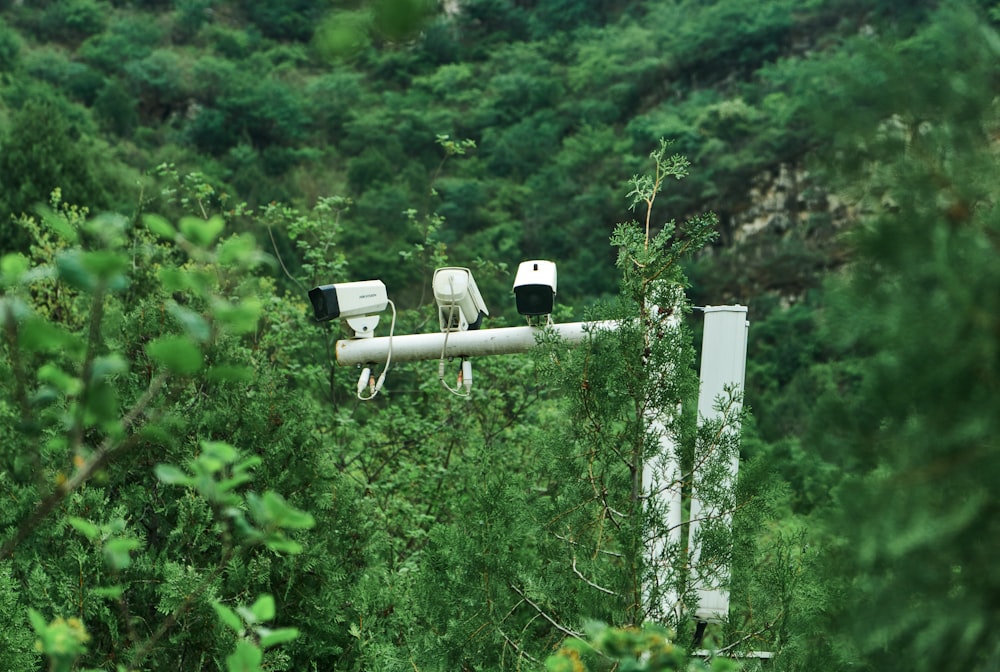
(723,365)
(662,484)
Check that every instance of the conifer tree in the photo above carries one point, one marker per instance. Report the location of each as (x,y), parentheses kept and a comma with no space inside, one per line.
(567,537)
(912,426)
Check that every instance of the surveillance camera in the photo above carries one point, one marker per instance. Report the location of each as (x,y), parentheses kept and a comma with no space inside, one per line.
(535,287)
(357,303)
(460,305)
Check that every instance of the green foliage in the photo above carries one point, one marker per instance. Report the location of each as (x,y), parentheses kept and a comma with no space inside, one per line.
(436,553)
(104,354)
(645,649)
(10,48)
(42,152)
(73,20)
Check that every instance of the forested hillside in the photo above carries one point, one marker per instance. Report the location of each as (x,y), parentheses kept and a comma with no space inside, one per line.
(192,483)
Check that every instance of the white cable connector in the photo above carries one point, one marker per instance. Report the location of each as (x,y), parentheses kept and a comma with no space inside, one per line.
(366,376)
(465,377)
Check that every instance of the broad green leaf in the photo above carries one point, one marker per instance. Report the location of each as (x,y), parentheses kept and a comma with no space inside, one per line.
(281,544)
(250,463)
(174,279)
(238,250)
(159,226)
(38,622)
(59,379)
(87,270)
(171,475)
(238,318)
(108,365)
(84,527)
(194,324)
(228,484)
(71,270)
(227,616)
(217,453)
(282,514)
(117,551)
(108,265)
(177,353)
(263,608)
(109,227)
(269,638)
(246,658)
(12,267)
(36,334)
(202,232)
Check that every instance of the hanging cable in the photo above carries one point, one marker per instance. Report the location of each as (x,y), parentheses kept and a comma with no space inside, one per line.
(365,380)
(457,390)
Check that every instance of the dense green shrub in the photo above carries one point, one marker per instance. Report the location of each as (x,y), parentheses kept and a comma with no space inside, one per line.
(10,48)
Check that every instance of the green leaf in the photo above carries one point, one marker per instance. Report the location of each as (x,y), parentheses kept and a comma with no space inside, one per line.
(174,279)
(38,622)
(84,527)
(239,251)
(39,335)
(172,475)
(228,616)
(238,318)
(177,353)
(246,658)
(117,551)
(107,365)
(59,379)
(279,543)
(228,484)
(194,324)
(284,515)
(108,265)
(159,226)
(202,232)
(12,267)
(73,271)
(217,454)
(269,638)
(87,270)
(263,608)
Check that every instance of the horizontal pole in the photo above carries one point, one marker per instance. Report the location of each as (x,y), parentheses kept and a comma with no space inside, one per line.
(476,343)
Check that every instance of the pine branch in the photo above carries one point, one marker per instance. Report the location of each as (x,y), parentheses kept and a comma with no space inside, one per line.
(591,583)
(180,610)
(541,612)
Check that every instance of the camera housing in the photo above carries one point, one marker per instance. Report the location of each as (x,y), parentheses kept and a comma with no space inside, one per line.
(356,303)
(535,287)
(460,305)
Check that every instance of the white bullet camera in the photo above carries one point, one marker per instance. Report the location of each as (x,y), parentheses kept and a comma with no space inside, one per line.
(356,303)
(460,305)
(535,288)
